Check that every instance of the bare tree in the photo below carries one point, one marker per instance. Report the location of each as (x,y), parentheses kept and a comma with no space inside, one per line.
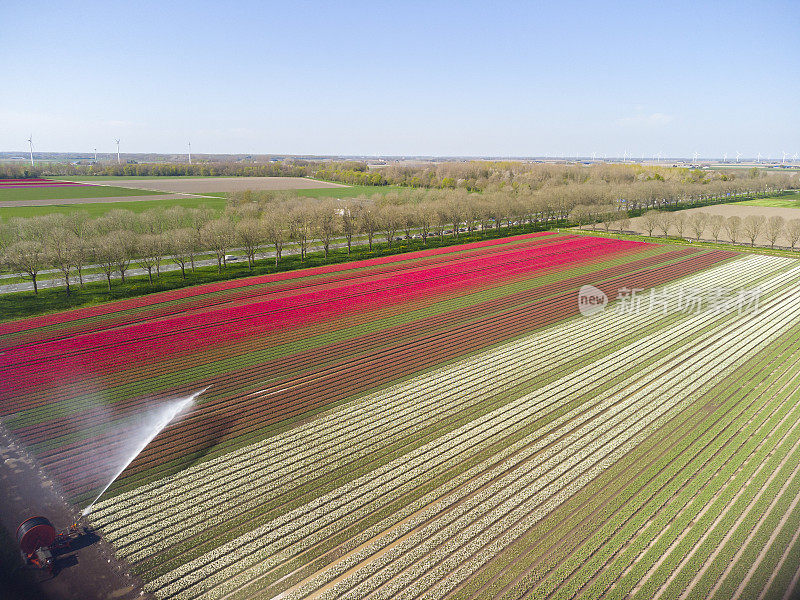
(117,220)
(733,226)
(300,226)
(425,217)
(697,224)
(716,223)
(177,217)
(152,221)
(127,248)
(151,253)
(793,232)
(471,215)
(580,215)
(752,225)
(250,235)
(275,229)
(679,223)
(390,220)
(623,222)
(61,251)
(105,250)
(82,227)
(8,235)
(495,208)
(198,218)
(326,224)
(455,212)
(607,215)
(349,222)
(27,256)
(650,221)
(664,223)
(218,235)
(368,224)
(182,246)
(775,229)
(408,218)
(441,218)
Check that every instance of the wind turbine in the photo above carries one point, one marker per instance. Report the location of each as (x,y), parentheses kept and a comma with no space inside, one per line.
(794,157)
(738,156)
(724,157)
(758,160)
(190,151)
(694,157)
(117,140)
(30,146)
(95,155)
(783,160)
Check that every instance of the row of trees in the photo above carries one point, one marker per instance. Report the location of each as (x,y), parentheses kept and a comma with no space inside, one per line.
(484,175)
(120,238)
(253,220)
(468,175)
(202,169)
(750,228)
(695,225)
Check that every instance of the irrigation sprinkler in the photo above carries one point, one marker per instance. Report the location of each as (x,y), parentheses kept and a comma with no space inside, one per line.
(41,544)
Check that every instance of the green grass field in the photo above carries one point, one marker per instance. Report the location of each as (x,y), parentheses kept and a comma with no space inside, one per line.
(99,209)
(59,193)
(787,201)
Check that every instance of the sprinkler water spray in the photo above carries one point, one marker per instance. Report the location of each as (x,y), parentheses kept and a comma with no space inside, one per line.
(160,419)
(41,543)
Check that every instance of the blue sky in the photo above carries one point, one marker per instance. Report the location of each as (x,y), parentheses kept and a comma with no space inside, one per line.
(403,78)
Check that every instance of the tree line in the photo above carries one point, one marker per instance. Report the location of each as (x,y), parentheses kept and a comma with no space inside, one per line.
(471,175)
(199,169)
(737,229)
(253,220)
(481,175)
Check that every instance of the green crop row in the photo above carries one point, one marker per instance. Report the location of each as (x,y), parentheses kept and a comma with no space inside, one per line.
(758,526)
(715,528)
(713,497)
(663,481)
(545,556)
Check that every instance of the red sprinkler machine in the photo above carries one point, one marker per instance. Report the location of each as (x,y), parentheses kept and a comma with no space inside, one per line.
(40,543)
